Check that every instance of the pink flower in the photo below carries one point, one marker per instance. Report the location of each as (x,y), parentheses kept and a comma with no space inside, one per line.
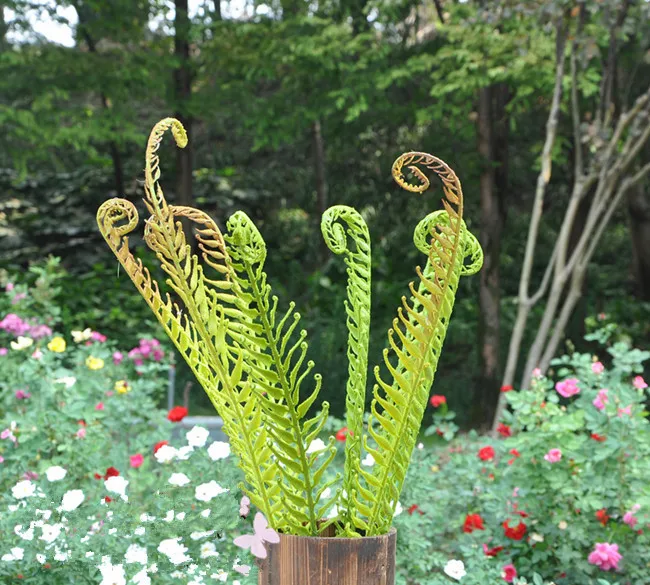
(13,324)
(117,357)
(9,287)
(568,387)
(627,410)
(81,433)
(597,368)
(509,573)
(136,460)
(629,519)
(4,351)
(30,475)
(553,456)
(99,406)
(639,383)
(18,297)
(605,556)
(38,354)
(96,336)
(7,434)
(537,373)
(22,395)
(38,331)
(601,400)
(2,459)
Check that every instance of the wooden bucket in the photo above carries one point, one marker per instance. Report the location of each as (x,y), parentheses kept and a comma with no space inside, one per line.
(325,560)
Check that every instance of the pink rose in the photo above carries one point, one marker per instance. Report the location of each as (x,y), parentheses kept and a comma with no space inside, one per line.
(553,456)
(9,287)
(136,460)
(537,373)
(38,354)
(597,368)
(117,357)
(601,400)
(629,519)
(96,336)
(568,387)
(605,556)
(99,406)
(4,351)
(509,573)
(639,383)
(81,433)
(627,410)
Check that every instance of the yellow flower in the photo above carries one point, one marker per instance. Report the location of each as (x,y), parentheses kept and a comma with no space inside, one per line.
(57,345)
(80,336)
(122,387)
(94,363)
(22,343)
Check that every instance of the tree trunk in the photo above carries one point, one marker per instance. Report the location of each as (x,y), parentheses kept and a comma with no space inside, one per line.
(492,146)
(321,179)
(638,205)
(182,94)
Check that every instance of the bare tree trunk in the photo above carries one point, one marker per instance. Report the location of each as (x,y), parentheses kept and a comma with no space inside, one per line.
(321,178)
(182,94)
(638,205)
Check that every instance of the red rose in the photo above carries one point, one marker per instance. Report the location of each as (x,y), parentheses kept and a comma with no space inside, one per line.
(516,532)
(158,445)
(491,552)
(504,430)
(108,499)
(507,388)
(597,437)
(522,513)
(98,476)
(342,434)
(111,472)
(486,453)
(509,573)
(602,516)
(177,414)
(473,522)
(437,400)
(415,508)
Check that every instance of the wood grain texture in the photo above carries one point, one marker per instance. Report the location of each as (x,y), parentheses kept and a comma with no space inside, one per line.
(306,560)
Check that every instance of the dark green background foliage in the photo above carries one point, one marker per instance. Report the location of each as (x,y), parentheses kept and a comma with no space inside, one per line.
(378,78)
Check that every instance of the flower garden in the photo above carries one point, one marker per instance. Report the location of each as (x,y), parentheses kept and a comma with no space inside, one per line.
(95,489)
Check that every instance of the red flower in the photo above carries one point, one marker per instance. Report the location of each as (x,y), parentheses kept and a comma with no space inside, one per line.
(415,508)
(602,516)
(437,400)
(111,472)
(81,423)
(514,454)
(516,532)
(507,388)
(491,552)
(504,430)
(473,522)
(342,434)
(98,476)
(509,573)
(177,414)
(108,499)
(158,445)
(486,453)
(597,437)
(522,513)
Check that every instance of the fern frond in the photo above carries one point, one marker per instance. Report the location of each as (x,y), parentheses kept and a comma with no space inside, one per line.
(278,380)
(357,308)
(416,338)
(201,328)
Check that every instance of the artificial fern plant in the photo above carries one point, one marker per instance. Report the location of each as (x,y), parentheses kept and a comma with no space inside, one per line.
(249,355)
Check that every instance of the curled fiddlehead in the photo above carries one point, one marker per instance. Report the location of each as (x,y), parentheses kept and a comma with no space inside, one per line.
(338,224)
(416,339)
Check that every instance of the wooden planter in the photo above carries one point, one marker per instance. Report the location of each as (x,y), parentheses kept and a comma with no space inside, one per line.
(324,560)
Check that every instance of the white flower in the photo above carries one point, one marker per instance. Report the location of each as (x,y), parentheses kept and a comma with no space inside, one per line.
(420,445)
(61,555)
(316,445)
(179,479)
(398,509)
(165,454)
(89,554)
(25,534)
(208,550)
(174,550)
(200,535)
(41,558)
(80,336)
(136,554)
(455,569)
(169,516)
(15,554)
(72,500)
(23,489)
(368,460)
(184,453)
(536,537)
(146,518)
(22,343)
(220,575)
(139,531)
(218,450)
(69,381)
(116,484)
(206,491)
(180,516)
(141,578)
(206,513)
(111,574)
(197,436)
(55,473)
(51,532)
(46,514)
